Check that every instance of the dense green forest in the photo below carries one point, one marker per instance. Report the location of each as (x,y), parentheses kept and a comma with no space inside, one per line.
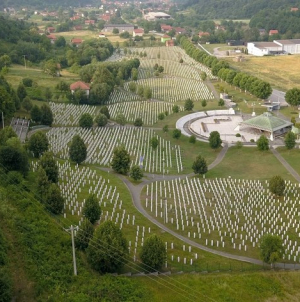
(285,21)
(235,9)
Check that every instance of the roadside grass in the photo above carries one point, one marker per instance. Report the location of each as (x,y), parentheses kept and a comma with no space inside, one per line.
(281,72)
(249,163)
(291,156)
(211,47)
(237,287)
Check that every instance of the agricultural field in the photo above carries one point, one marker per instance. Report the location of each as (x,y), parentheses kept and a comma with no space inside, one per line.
(280,71)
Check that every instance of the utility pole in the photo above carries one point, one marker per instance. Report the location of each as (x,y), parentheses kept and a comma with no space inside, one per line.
(73,247)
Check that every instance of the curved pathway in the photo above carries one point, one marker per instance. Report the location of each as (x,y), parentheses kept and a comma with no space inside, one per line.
(136,190)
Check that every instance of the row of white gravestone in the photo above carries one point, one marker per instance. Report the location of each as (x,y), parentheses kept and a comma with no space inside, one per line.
(175,89)
(69,114)
(102,141)
(239,212)
(121,96)
(147,111)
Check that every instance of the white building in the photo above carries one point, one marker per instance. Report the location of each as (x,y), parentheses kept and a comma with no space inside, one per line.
(153,16)
(291,46)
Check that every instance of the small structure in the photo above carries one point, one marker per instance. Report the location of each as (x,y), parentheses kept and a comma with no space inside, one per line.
(89,22)
(120,27)
(165,38)
(264,48)
(138,32)
(80,85)
(203,34)
(273,32)
(76,41)
(262,31)
(170,43)
(165,27)
(239,59)
(154,16)
(50,29)
(52,38)
(101,35)
(294,9)
(269,123)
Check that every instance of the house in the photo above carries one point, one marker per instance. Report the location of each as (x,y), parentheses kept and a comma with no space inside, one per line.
(294,9)
(154,16)
(89,22)
(101,35)
(262,31)
(50,29)
(170,43)
(74,18)
(165,27)
(273,32)
(179,30)
(105,17)
(203,34)
(41,32)
(219,27)
(80,85)
(138,32)
(263,48)
(120,27)
(76,41)
(52,38)
(165,38)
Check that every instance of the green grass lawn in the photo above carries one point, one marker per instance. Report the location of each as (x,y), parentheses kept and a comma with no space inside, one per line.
(249,163)
(291,156)
(239,287)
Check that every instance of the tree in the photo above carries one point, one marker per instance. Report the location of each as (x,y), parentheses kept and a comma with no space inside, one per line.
(203,76)
(215,140)
(47,162)
(154,142)
(221,102)
(200,165)
(290,140)
(91,209)
(292,97)
(136,173)
(262,143)
(188,105)
(36,114)
(109,252)
(104,110)
(121,160)
(203,103)
(46,115)
(38,143)
(43,184)
(192,139)
(54,200)
(175,108)
(161,116)
(115,31)
(138,122)
(6,134)
(27,104)
(132,87)
(121,119)
(84,235)
(27,82)
(160,69)
(78,150)
(48,94)
(134,74)
(176,133)
(277,185)
(165,128)
(21,92)
(271,249)
(153,253)
(101,120)
(147,93)
(86,121)
(140,90)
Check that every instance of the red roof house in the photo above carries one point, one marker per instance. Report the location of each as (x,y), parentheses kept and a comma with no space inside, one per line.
(80,85)
(273,32)
(76,41)
(138,32)
(50,29)
(294,9)
(88,22)
(203,34)
(165,27)
(52,38)
(170,43)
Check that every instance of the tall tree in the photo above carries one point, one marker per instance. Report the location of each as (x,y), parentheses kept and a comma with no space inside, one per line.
(21,92)
(292,97)
(109,251)
(290,140)
(101,120)
(104,110)
(262,143)
(271,249)
(84,235)
(188,105)
(153,253)
(91,209)
(86,121)
(46,115)
(42,184)
(200,165)
(77,150)
(38,143)
(48,163)
(54,200)
(27,104)
(35,114)
(277,185)
(121,160)
(136,173)
(215,140)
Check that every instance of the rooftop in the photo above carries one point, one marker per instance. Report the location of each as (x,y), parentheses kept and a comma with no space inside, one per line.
(80,85)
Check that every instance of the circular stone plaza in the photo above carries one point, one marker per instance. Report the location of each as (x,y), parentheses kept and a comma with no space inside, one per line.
(233,127)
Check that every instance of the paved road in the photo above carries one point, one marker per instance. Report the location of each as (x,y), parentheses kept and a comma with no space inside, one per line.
(278,95)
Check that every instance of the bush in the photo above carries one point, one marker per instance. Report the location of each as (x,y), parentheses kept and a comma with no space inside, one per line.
(27,82)
(176,133)
(238,135)
(101,120)
(86,121)
(192,139)
(138,122)
(91,209)
(161,116)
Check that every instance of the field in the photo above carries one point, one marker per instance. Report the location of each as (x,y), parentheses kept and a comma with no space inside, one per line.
(280,71)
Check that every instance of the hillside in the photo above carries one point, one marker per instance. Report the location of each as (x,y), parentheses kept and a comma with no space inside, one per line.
(235,9)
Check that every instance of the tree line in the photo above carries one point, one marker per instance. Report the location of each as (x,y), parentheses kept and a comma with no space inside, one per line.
(252,84)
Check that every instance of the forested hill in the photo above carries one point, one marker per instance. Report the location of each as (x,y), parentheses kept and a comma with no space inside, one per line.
(236,9)
(41,4)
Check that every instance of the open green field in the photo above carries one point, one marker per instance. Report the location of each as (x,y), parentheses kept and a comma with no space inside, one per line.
(240,287)
(249,163)
(291,156)
(281,72)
